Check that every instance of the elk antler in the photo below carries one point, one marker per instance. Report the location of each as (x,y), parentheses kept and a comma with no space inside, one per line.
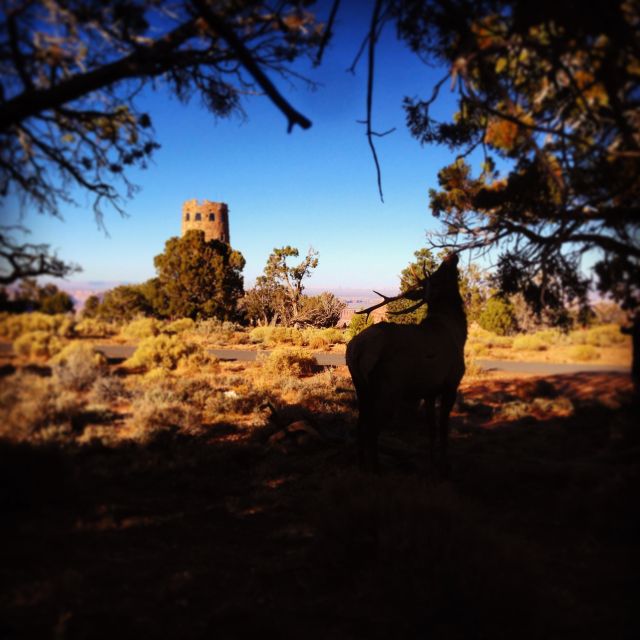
(413,307)
(386,300)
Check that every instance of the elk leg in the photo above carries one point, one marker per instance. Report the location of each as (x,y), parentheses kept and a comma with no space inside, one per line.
(447,401)
(363,425)
(430,421)
(372,447)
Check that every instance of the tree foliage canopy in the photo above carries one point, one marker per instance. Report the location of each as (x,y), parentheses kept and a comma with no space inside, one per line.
(287,281)
(548,93)
(30,296)
(498,316)
(200,278)
(120,304)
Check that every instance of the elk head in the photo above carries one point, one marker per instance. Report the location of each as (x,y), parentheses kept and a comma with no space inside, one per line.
(428,288)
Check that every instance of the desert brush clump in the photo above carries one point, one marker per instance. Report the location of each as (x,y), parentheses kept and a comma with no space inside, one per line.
(34,407)
(221,403)
(529,343)
(558,407)
(285,361)
(271,336)
(514,410)
(77,366)
(141,328)
(166,352)
(37,345)
(160,412)
(584,353)
(322,338)
(180,325)
(14,325)
(551,336)
(94,328)
(607,335)
(108,389)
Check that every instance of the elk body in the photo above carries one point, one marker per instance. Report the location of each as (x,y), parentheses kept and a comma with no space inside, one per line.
(393,363)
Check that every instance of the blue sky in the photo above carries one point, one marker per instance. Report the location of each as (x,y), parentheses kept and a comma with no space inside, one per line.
(308,188)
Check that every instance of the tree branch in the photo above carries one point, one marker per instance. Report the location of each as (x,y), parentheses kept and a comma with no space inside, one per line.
(33,102)
(29,260)
(249,63)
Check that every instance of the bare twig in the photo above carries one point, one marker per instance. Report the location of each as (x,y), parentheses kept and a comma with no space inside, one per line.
(328,32)
(373,37)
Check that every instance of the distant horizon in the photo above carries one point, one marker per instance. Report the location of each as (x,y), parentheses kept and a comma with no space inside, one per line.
(80,290)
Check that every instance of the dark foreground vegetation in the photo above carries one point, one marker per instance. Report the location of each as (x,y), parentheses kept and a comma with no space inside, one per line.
(235,529)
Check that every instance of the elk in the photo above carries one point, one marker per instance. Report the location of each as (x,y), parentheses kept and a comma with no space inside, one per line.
(393,363)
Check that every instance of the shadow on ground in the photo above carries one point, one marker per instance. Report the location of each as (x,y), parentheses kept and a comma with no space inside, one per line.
(221,536)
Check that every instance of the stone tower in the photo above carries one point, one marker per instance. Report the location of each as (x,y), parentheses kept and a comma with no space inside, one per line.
(210,217)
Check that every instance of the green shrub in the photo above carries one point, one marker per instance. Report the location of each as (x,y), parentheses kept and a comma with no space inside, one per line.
(165,352)
(141,328)
(529,343)
(35,345)
(77,366)
(291,362)
(359,322)
(179,326)
(584,353)
(498,316)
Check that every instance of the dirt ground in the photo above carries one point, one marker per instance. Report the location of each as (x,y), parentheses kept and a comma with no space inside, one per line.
(226,535)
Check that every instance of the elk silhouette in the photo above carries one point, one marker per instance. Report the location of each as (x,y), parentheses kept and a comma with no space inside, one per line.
(393,363)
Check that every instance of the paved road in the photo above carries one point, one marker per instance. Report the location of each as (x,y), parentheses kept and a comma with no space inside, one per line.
(123,351)
(337,359)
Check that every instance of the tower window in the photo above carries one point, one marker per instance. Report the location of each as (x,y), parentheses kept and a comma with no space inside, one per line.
(187,216)
(198,216)
(212,217)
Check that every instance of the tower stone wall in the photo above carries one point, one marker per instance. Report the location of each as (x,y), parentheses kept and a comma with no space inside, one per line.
(207,216)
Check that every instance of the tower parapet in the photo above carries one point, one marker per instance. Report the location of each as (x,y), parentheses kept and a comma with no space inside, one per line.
(207,216)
